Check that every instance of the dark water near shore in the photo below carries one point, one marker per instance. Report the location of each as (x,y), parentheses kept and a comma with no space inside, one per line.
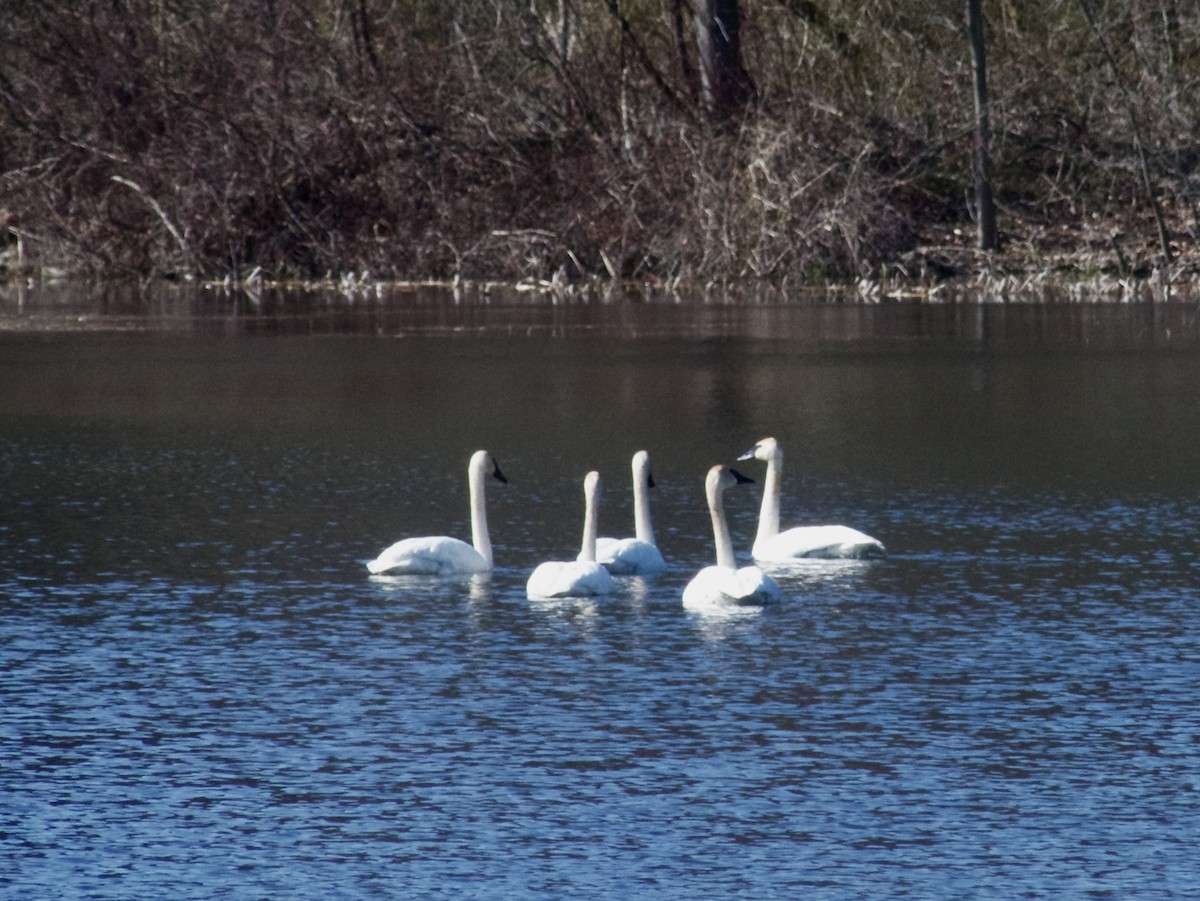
(203,694)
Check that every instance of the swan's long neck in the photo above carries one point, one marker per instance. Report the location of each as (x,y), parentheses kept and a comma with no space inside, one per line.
(591,517)
(720,527)
(768,516)
(476,479)
(641,502)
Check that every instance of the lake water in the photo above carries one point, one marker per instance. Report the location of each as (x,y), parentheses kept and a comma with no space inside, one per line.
(203,694)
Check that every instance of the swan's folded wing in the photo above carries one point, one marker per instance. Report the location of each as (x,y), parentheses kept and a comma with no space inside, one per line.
(817,542)
(574,579)
(750,585)
(430,555)
(629,556)
(715,587)
(596,581)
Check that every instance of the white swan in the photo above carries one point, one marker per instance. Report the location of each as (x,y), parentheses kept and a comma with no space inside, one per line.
(773,546)
(439,555)
(723,586)
(637,556)
(577,578)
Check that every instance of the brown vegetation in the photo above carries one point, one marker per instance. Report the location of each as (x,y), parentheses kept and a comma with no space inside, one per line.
(566,139)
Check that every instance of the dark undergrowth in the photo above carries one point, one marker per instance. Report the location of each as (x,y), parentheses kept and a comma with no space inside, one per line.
(566,141)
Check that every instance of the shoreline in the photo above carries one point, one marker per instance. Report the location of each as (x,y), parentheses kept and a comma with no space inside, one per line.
(1101,263)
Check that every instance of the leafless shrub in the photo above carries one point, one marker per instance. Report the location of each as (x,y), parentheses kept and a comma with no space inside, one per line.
(567,139)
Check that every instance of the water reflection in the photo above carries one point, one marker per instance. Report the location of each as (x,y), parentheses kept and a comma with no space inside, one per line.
(818,319)
(473,587)
(821,569)
(205,694)
(576,610)
(721,624)
(636,590)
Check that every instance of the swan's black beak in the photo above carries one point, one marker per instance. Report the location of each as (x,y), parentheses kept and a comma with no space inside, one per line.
(749,455)
(741,479)
(497,474)
(650,479)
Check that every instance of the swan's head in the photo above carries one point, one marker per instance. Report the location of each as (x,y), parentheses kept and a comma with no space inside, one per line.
(722,477)
(641,468)
(591,484)
(767,449)
(483,462)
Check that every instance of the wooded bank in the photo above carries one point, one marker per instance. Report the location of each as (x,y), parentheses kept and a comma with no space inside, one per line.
(806,140)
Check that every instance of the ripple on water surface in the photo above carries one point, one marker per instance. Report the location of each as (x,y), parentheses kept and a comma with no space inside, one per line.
(203,694)
(929,723)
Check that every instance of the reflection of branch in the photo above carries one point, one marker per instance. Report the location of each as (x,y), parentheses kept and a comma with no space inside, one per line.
(162,214)
(1164,240)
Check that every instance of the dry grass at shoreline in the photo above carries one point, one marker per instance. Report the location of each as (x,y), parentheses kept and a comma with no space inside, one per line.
(564,145)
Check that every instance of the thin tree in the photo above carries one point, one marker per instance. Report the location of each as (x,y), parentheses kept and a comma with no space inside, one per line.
(985,208)
(725,84)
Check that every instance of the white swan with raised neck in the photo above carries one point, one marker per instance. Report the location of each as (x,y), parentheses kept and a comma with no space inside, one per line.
(583,577)
(441,555)
(638,555)
(799,542)
(725,586)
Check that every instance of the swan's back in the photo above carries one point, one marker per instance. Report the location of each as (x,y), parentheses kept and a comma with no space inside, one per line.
(569,579)
(434,555)
(629,556)
(716,587)
(817,542)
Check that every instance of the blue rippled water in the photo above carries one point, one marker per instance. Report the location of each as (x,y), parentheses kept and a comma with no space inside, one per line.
(204,695)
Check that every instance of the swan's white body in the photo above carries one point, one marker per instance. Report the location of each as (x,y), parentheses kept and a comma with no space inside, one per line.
(440,555)
(580,578)
(638,556)
(774,546)
(724,586)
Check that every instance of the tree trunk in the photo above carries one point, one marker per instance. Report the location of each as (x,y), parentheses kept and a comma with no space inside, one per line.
(725,84)
(985,208)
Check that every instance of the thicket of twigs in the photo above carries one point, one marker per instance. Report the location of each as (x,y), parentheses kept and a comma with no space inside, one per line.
(565,139)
